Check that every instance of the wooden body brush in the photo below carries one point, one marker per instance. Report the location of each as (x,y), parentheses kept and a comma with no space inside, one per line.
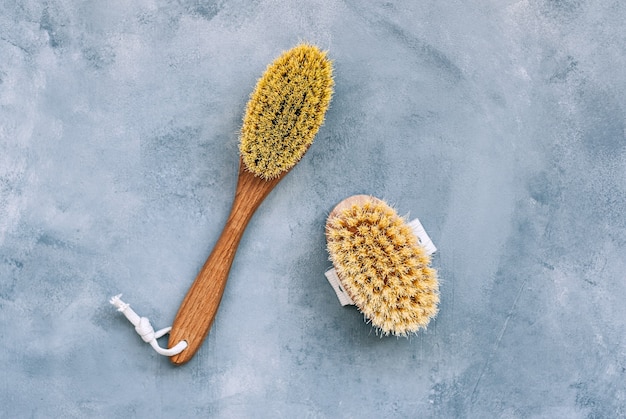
(284,113)
(382,265)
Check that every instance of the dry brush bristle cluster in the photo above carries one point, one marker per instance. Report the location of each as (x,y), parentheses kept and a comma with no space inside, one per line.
(383,268)
(286,110)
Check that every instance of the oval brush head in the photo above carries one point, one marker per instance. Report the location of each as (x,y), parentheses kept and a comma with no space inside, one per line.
(286,110)
(381,265)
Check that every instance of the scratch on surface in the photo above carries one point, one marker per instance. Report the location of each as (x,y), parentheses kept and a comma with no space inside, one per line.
(16,45)
(496,344)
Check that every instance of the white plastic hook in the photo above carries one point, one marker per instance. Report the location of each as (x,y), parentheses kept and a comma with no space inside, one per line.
(145,329)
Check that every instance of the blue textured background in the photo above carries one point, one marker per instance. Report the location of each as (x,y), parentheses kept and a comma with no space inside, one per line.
(501,124)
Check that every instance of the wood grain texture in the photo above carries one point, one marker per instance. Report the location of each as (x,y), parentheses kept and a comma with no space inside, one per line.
(197,311)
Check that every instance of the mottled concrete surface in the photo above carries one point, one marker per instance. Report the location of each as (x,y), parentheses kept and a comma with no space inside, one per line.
(501,124)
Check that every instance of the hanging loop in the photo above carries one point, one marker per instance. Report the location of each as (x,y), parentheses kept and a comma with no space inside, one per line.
(145,329)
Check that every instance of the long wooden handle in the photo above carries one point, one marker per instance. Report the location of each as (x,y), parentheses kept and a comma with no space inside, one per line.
(197,311)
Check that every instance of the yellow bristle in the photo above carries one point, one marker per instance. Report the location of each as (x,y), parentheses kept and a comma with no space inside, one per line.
(383,267)
(286,110)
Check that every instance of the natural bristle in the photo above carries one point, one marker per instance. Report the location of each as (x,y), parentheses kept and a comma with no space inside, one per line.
(286,110)
(382,266)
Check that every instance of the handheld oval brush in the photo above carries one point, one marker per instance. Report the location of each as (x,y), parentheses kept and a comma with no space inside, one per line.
(284,113)
(381,265)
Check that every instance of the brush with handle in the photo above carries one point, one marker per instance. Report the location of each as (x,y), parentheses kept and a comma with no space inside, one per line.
(282,117)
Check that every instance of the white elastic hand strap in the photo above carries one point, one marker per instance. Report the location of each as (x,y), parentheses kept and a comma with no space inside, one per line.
(422,237)
(343,296)
(145,329)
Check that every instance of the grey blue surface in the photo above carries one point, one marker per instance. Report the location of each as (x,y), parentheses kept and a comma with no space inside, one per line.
(500,124)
